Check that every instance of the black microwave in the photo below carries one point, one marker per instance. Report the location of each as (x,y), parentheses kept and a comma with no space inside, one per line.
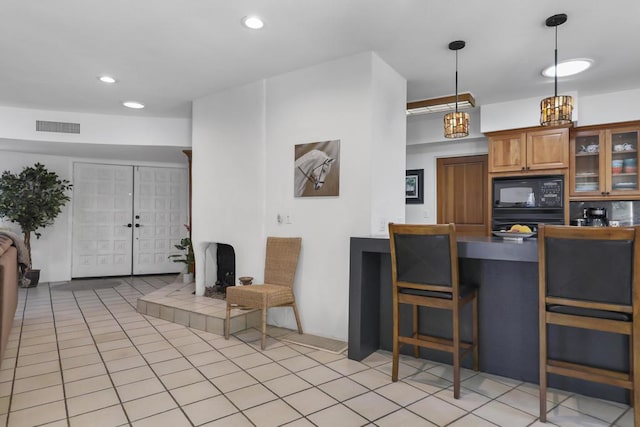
(536,192)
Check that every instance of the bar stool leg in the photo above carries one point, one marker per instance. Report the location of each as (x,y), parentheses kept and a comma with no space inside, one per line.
(634,361)
(543,371)
(416,330)
(476,360)
(456,350)
(396,334)
(632,390)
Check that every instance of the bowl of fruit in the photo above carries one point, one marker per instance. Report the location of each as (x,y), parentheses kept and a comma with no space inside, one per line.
(516,232)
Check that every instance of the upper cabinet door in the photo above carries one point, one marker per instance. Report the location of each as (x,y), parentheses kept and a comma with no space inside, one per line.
(622,165)
(548,149)
(588,158)
(507,152)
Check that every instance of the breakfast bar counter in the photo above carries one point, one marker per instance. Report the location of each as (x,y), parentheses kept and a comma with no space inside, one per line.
(506,273)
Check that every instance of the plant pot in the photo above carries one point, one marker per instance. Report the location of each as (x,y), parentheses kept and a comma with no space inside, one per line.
(187,278)
(34,277)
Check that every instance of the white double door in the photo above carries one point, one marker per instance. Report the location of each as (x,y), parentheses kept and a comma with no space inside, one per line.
(127,219)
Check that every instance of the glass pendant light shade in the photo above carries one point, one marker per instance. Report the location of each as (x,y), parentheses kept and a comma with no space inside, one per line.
(456,124)
(556,110)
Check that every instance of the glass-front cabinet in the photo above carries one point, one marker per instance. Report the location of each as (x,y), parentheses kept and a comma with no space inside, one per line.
(604,162)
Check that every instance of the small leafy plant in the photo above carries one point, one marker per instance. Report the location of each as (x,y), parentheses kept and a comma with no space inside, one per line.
(187,257)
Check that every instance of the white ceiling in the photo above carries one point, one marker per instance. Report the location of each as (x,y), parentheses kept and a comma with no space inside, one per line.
(166,53)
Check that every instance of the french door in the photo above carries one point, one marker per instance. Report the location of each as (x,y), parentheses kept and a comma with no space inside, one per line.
(126,219)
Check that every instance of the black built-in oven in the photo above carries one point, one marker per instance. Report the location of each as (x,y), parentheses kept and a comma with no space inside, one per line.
(527,201)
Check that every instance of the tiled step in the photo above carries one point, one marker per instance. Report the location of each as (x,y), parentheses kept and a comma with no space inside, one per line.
(177,303)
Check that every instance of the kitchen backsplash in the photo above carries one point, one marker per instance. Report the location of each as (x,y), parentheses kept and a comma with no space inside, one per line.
(626,212)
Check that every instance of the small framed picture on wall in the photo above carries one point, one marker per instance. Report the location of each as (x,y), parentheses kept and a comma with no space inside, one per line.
(414,186)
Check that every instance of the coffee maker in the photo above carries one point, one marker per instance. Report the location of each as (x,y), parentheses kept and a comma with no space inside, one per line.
(597,217)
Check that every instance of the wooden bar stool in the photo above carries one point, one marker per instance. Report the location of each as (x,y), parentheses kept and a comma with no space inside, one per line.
(424,268)
(588,278)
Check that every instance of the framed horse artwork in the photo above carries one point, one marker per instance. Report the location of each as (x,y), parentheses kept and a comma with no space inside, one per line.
(317,169)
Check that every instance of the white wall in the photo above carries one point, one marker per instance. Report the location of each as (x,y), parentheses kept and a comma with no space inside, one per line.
(228,173)
(610,108)
(425,156)
(388,153)
(237,144)
(20,124)
(52,253)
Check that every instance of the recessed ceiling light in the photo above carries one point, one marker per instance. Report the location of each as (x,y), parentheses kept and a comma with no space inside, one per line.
(133,104)
(107,79)
(568,67)
(252,22)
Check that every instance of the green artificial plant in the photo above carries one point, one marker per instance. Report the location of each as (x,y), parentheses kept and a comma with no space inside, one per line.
(187,257)
(33,199)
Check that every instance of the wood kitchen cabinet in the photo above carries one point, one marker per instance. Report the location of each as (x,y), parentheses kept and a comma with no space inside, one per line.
(526,150)
(604,162)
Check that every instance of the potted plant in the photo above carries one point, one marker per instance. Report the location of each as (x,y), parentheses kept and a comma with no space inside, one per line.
(187,257)
(33,199)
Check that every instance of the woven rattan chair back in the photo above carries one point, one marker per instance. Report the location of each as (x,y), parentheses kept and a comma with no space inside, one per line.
(281,260)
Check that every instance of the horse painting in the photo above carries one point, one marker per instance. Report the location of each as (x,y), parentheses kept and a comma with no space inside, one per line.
(312,167)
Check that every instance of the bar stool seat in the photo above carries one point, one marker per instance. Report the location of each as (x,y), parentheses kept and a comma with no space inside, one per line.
(424,268)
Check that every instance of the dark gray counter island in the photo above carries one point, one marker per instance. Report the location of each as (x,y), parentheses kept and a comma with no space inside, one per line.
(506,273)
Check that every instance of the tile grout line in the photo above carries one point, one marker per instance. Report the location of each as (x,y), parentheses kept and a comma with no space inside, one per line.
(75,298)
(15,367)
(148,365)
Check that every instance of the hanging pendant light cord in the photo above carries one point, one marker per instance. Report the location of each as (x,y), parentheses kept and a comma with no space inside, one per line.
(555,72)
(456,81)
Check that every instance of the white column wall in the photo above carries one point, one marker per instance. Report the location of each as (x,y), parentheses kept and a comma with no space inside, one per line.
(343,99)
(388,154)
(228,173)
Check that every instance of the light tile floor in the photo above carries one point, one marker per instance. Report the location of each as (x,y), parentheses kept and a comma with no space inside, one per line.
(87,358)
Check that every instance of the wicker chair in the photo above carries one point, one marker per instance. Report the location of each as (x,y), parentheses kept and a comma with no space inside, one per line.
(279,272)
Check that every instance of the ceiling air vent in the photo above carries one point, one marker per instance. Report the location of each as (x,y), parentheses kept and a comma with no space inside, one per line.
(42,126)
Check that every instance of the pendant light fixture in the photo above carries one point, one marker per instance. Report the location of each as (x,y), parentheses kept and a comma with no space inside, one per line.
(556,110)
(456,124)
